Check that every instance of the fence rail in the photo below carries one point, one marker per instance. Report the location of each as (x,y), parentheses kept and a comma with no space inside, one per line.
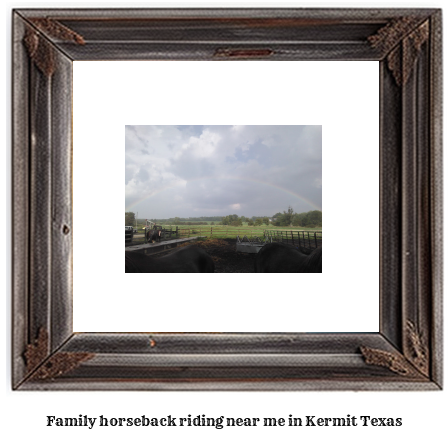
(304,239)
(128,235)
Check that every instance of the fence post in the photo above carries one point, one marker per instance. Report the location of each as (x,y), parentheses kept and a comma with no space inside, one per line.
(315,239)
(211,232)
(292,238)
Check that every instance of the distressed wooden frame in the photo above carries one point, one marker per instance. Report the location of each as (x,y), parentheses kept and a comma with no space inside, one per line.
(406,354)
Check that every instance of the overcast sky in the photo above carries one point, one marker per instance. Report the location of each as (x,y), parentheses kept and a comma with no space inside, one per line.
(192,171)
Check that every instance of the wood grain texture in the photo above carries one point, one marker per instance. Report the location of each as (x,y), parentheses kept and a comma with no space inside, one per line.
(406,354)
(436,195)
(20,201)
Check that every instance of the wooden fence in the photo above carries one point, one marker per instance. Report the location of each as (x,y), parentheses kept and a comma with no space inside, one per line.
(304,239)
(128,235)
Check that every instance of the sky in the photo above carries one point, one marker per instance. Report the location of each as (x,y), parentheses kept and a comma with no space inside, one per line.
(194,171)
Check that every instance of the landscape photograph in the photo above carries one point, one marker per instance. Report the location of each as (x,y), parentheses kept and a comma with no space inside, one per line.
(223,199)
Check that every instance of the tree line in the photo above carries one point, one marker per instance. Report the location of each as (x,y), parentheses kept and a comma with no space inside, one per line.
(129,219)
(288,218)
(236,221)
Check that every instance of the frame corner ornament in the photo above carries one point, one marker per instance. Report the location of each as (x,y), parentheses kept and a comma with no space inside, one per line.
(39,48)
(41,366)
(417,348)
(37,351)
(401,39)
(395,362)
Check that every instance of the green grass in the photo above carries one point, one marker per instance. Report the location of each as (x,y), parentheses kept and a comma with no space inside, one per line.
(247,227)
(226,231)
(230,232)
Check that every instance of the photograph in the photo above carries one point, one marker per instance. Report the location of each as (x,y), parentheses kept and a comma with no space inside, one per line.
(223,199)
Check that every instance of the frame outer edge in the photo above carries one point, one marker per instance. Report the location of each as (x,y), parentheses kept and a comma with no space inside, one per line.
(42,146)
(418,214)
(436,138)
(20,200)
(251,12)
(312,385)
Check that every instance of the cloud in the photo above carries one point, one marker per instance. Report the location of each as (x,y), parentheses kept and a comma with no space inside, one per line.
(256,170)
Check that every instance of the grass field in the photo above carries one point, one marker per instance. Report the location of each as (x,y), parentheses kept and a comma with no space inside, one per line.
(225,231)
(280,234)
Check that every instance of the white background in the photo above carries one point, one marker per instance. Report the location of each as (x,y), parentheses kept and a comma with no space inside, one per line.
(110,95)
(424,414)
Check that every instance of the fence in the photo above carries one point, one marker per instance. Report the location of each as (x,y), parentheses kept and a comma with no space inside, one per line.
(220,232)
(304,239)
(128,235)
(167,233)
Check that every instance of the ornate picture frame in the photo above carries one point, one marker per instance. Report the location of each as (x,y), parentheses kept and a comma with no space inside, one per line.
(406,353)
